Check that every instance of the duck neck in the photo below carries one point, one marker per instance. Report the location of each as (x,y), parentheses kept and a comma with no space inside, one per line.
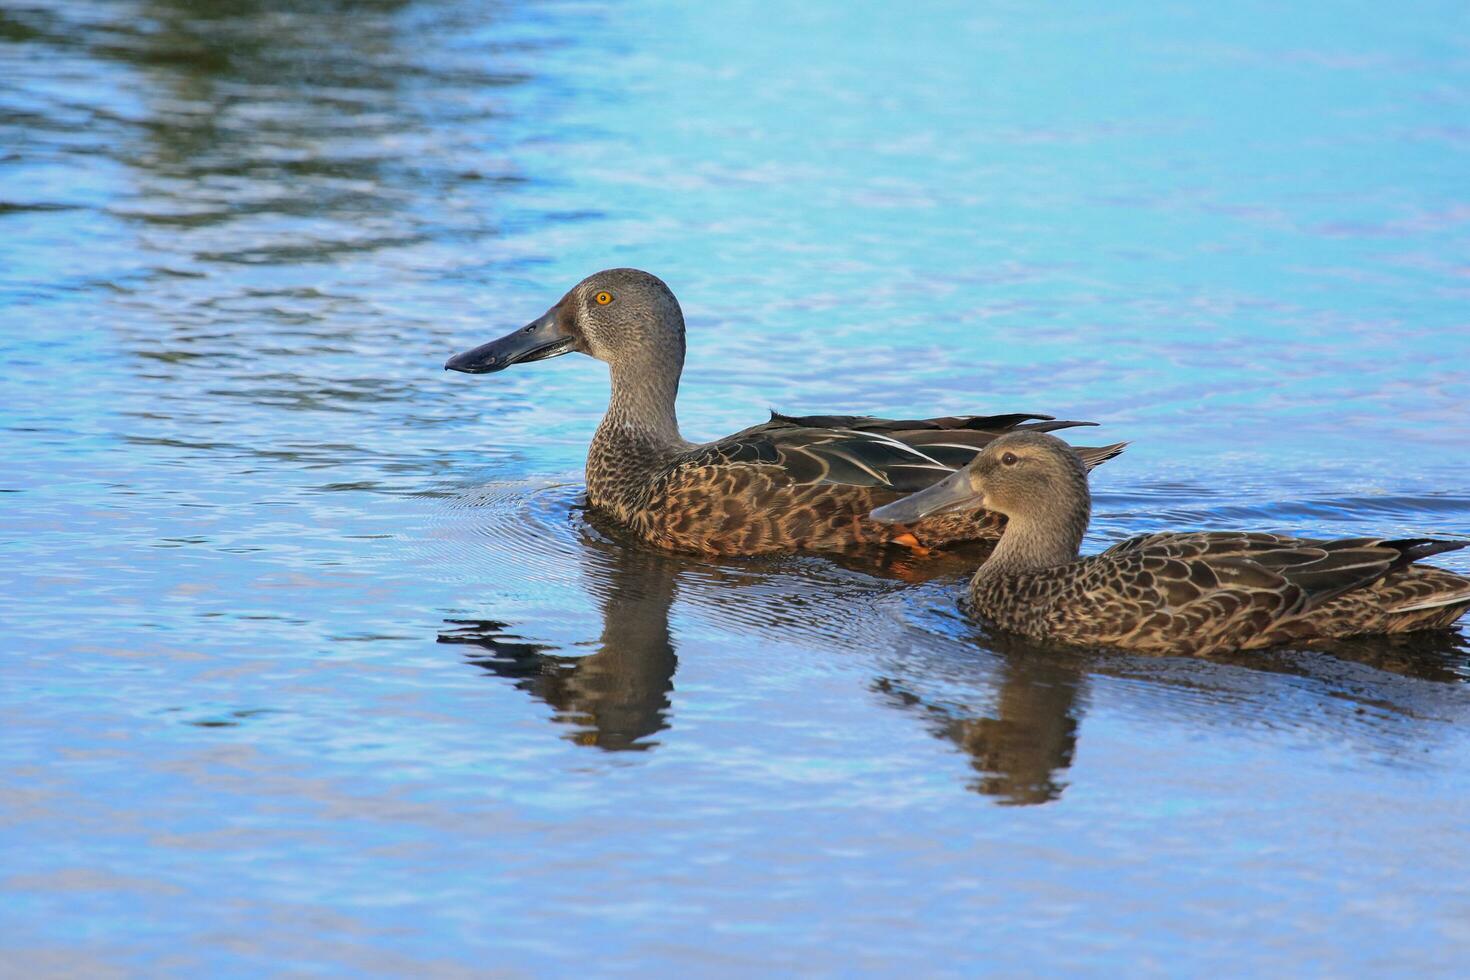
(638,435)
(1033,541)
(642,407)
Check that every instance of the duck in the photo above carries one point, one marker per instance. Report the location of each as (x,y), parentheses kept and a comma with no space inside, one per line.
(789,484)
(1174,593)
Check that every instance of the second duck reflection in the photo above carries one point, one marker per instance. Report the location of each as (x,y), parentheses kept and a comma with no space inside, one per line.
(618,697)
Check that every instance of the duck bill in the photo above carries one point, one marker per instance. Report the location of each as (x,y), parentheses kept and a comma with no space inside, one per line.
(542,338)
(953,493)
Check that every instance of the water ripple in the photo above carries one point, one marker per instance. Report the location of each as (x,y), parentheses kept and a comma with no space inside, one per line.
(316,657)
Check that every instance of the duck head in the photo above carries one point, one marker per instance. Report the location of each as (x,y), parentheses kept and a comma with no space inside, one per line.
(1021,475)
(625,317)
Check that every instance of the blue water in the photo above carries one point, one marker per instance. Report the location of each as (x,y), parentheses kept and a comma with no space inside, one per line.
(315,663)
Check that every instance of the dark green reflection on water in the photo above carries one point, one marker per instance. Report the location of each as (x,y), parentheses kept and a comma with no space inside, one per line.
(325,116)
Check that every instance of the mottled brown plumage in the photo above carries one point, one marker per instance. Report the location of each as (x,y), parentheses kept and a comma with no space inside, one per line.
(788,484)
(1189,593)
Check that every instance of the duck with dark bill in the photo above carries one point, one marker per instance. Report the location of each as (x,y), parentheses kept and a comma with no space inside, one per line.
(1192,593)
(789,484)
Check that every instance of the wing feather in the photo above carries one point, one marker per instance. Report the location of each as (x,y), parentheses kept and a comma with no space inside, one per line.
(904,455)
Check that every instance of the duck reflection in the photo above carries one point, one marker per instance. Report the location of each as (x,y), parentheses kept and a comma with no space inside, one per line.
(1019,719)
(1022,746)
(618,696)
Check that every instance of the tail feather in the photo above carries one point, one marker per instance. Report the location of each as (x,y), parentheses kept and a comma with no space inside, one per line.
(1417,549)
(1052,425)
(1092,456)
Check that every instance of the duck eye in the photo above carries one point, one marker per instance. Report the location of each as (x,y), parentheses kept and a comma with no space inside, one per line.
(603,298)
(1009,459)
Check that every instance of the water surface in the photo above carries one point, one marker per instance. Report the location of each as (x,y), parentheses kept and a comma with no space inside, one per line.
(315,661)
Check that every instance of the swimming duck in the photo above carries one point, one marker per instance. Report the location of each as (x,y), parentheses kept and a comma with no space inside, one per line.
(1178,593)
(788,484)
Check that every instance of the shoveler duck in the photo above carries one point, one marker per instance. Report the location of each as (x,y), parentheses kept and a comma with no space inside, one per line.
(1175,593)
(788,484)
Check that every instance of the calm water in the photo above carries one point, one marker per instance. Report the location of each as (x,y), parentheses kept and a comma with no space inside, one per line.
(315,662)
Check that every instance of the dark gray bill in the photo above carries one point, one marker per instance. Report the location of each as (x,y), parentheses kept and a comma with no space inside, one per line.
(536,341)
(948,495)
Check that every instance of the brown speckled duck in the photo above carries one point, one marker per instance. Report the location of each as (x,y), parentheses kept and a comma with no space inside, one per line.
(1192,593)
(789,484)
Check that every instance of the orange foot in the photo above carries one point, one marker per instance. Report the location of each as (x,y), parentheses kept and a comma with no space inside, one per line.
(909,541)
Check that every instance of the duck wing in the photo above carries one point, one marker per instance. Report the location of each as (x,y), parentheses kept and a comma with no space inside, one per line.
(902,455)
(811,455)
(1322,569)
(1206,590)
(951,440)
(1204,544)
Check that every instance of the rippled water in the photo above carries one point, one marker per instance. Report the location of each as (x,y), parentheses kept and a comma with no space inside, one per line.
(315,661)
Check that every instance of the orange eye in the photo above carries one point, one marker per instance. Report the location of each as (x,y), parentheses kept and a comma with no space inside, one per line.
(603,298)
